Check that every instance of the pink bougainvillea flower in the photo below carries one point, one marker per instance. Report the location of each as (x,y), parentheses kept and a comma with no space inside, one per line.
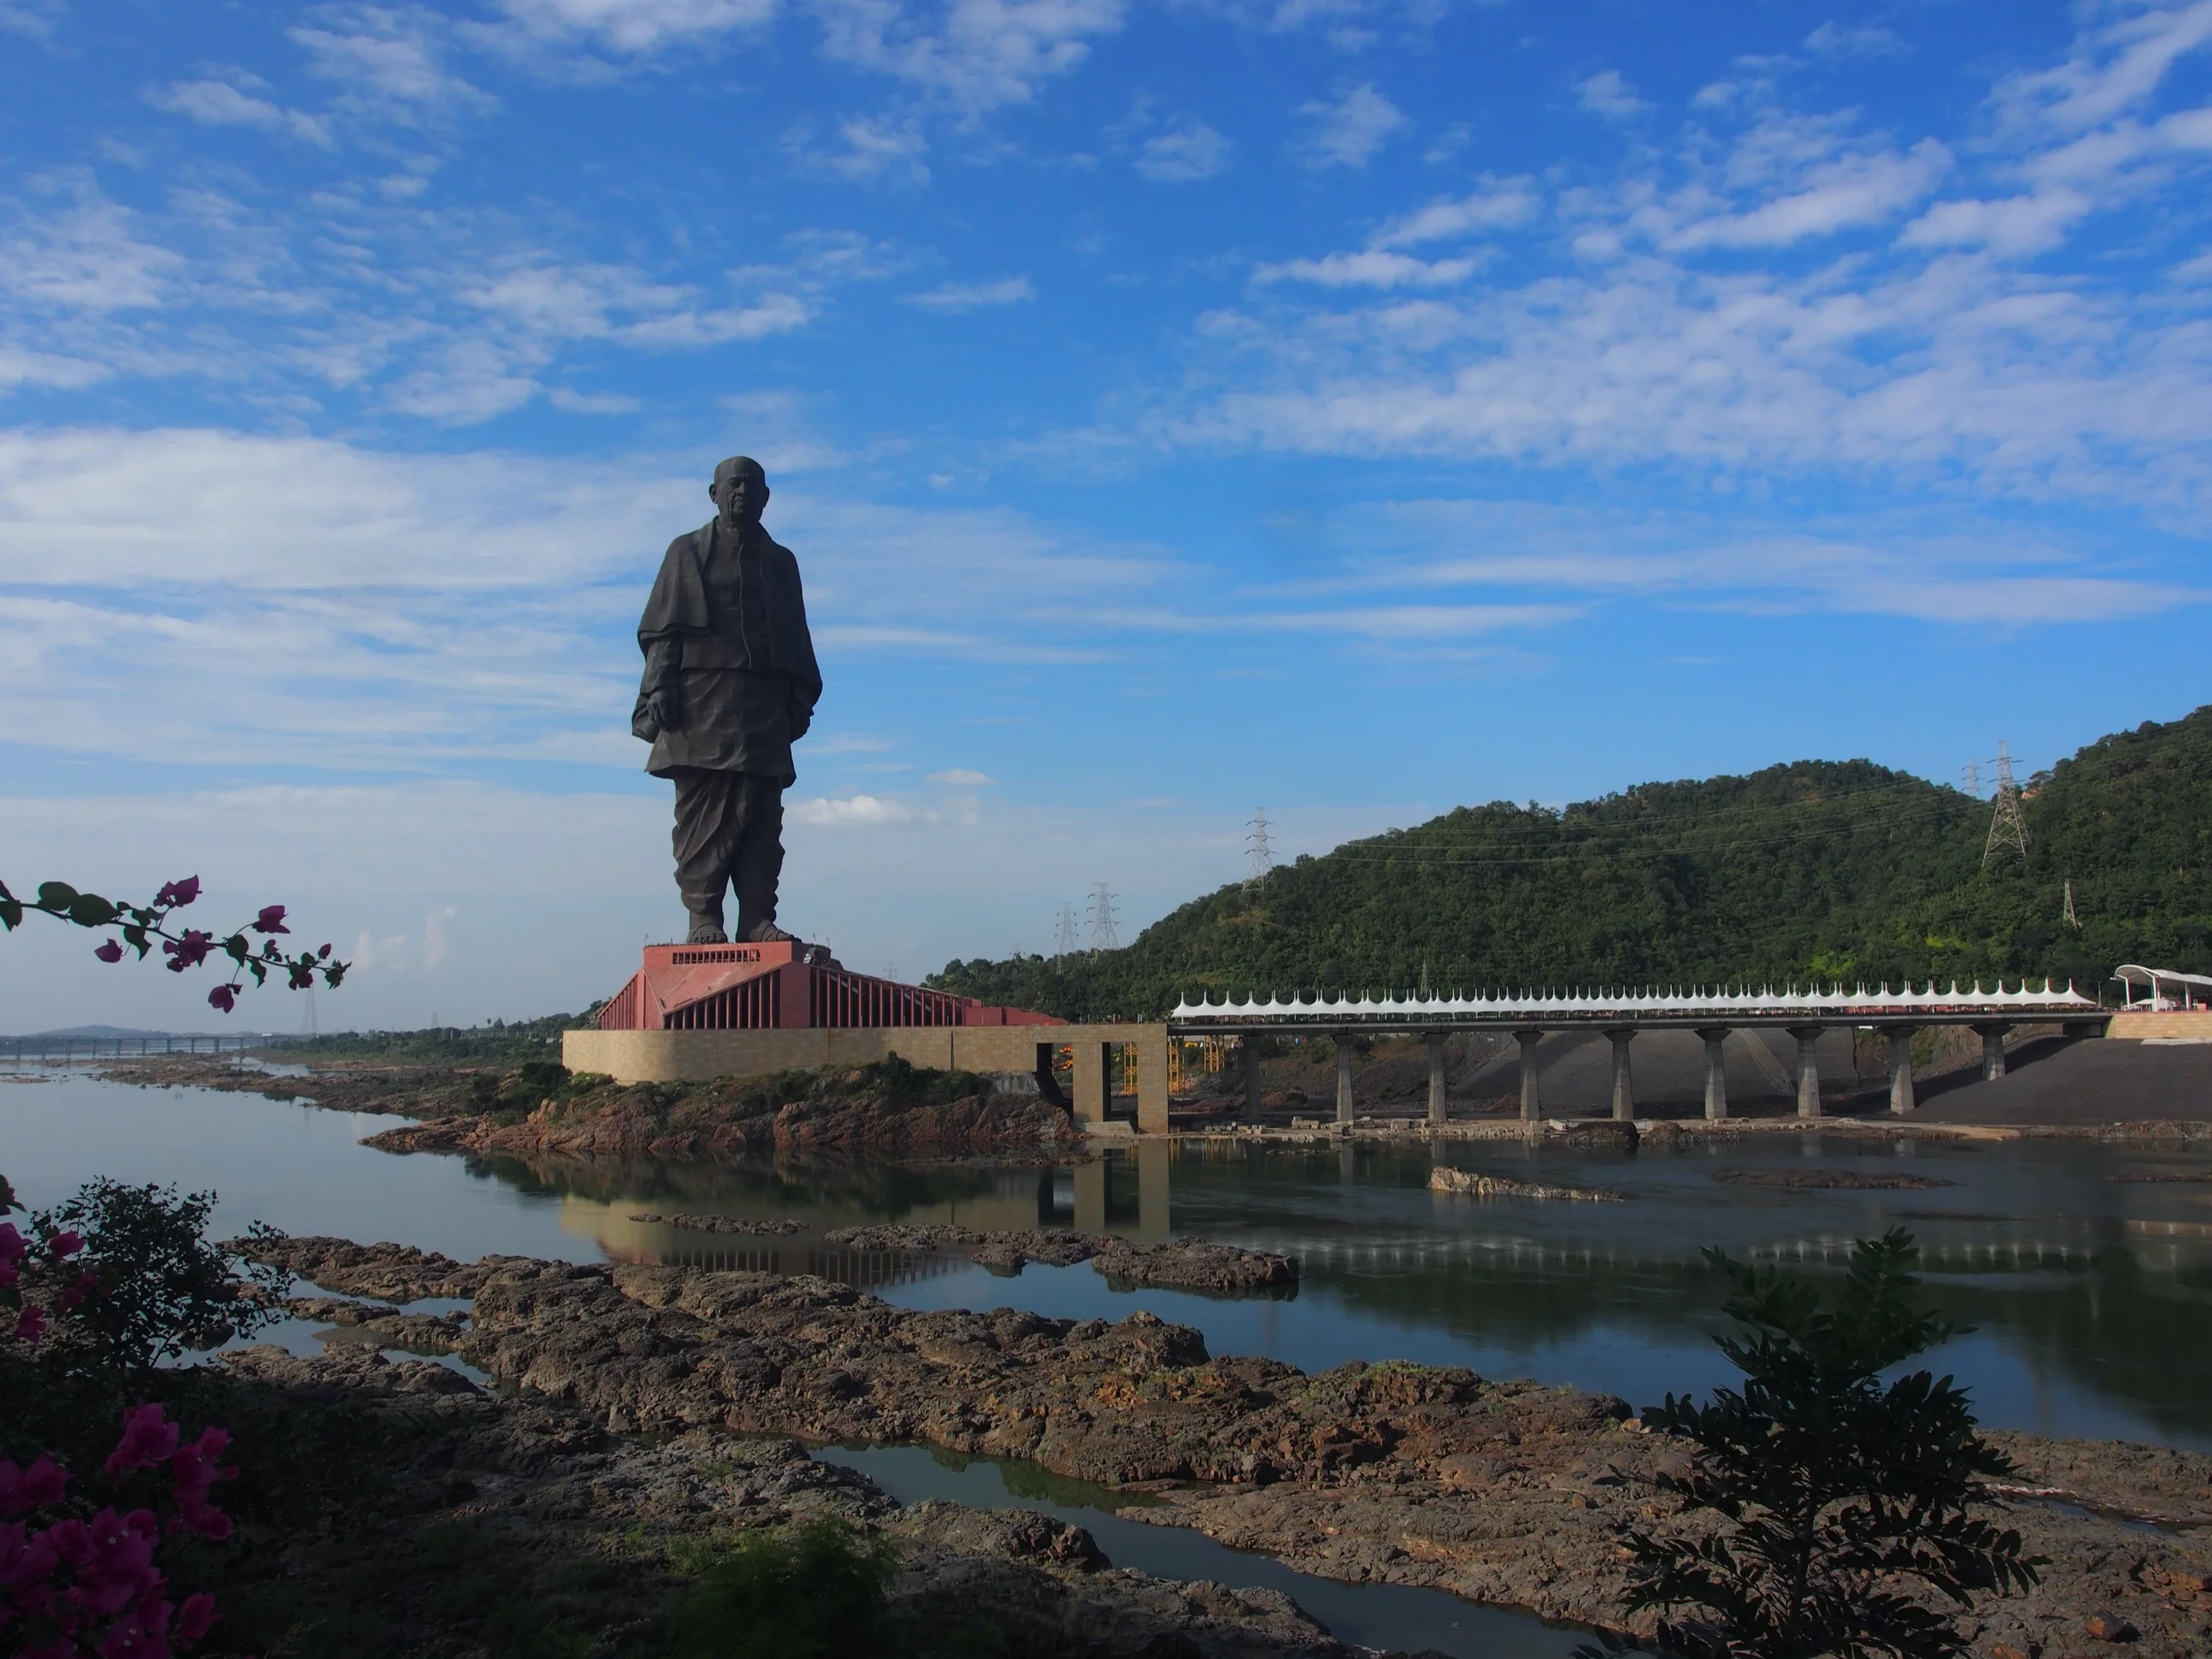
(66,1242)
(31,1324)
(179,892)
(85,1286)
(223,997)
(26,1489)
(195,1617)
(148,1438)
(110,952)
(189,951)
(270,921)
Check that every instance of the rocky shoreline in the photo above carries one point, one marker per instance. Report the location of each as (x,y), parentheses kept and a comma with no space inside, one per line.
(1503,1492)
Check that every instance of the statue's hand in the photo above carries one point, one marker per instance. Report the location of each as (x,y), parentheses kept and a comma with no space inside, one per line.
(666,708)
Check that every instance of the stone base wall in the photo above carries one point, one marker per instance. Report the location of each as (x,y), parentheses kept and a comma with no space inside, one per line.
(2166,1022)
(701,1056)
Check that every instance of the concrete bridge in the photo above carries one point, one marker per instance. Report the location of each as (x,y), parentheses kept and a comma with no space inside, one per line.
(1804,1013)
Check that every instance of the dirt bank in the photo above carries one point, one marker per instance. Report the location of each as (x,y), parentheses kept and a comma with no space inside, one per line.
(1182,1264)
(1504,1492)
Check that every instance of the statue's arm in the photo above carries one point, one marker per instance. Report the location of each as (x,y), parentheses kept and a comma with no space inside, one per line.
(663,686)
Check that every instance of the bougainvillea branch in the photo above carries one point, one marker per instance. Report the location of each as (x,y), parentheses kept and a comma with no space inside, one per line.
(140,926)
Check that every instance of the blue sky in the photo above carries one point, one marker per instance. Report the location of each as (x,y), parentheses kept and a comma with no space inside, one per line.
(1350,409)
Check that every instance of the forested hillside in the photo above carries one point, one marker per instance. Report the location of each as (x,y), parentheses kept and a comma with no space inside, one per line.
(1816,869)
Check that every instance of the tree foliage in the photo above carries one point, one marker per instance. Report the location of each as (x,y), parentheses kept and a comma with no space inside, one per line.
(1815,870)
(1844,1505)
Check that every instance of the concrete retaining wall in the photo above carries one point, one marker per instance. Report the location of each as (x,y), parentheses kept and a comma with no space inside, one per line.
(699,1056)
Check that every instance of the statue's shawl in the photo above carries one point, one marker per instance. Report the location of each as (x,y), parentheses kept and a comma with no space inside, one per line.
(677,604)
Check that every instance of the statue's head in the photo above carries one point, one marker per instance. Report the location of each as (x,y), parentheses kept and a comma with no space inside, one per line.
(739,491)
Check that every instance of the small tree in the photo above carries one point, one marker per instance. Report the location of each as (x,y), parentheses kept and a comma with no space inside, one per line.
(1838,1497)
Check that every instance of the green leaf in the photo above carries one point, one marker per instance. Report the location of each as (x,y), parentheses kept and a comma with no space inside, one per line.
(11,913)
(90,910)
(236,946)
(56,897)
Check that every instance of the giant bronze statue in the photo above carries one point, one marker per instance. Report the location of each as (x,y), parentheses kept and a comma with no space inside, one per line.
(729,684)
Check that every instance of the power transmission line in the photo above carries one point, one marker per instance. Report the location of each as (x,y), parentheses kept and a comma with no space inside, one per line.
(1065,946)
(1102,919)
(2069,919)
(2008,829)
(308,1023)
(1262,854)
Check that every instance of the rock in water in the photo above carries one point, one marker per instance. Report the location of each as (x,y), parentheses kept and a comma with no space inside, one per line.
(1445,1179)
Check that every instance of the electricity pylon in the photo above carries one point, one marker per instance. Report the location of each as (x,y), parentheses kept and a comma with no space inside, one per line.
(1255,841)
(2008,829)
(1102,919)
(2069,918)
(1065,944)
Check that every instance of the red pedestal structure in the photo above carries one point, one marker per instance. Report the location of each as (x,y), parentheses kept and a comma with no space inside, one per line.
(792,986)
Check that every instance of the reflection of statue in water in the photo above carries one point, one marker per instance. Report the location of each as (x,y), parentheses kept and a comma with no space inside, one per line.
(729,684)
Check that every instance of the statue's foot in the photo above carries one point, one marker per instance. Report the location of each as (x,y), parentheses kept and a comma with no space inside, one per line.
(767,933)
(707,930)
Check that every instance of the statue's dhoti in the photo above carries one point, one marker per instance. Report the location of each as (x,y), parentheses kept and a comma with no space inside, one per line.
(729,832)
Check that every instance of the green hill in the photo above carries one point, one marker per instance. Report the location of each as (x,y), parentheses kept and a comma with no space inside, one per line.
(1815,869)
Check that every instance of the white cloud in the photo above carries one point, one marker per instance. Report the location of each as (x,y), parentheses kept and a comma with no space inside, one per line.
(2017,224)
(34,19)
(2109,69)
(86,257)
(960,777)
(1608,95)
(1832,40)
(1500,204)
(214,103)
(955,297)
(976,55)
(1184,155)
(1844,194)
(1353,129)
(865,150)
(389,61)
(868,809)
(638,26)
(1371,268)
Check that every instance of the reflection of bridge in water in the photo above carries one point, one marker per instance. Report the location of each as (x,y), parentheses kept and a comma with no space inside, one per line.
(864,1270)
(1621,1014)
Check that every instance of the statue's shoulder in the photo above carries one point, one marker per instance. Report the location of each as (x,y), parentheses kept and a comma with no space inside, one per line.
(693,541)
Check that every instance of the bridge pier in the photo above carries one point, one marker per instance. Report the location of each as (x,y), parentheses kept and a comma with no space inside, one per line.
(1249,1049)
(1716,1072)
(1532,1100)
(1901,1100)
(1624,1082)
(1435,1041)
(1993,1033)
(1344,1076)
(1808,1069)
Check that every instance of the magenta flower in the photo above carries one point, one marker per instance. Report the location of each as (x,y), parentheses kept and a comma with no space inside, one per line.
(148,1438)
(31,1323)
(63,1244)
(87,1283)
(179,892)
(110,952)
(189,951)
(12,1250)
(223,997)
(195,1617)
(270,921)
(26,1489)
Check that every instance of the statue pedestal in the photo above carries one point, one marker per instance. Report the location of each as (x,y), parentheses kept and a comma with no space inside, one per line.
(692,1012)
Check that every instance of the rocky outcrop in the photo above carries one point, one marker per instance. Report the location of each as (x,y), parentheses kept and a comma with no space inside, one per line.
(1504,1492)
(566,1517)
(1182,1264)
(1445,1179)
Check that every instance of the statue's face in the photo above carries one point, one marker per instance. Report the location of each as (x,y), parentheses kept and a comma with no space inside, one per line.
(740,493)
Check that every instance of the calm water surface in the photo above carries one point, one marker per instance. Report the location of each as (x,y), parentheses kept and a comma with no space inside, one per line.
(2089,1294)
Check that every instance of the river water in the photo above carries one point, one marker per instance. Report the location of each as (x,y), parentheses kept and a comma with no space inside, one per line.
(2087,1283)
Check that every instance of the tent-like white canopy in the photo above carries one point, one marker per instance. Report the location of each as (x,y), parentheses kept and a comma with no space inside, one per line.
(2169,986)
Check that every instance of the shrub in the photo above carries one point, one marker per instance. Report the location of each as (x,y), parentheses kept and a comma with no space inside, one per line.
(1837,1496)
(805,1591)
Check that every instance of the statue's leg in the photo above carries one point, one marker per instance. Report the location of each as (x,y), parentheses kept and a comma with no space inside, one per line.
(759,866)
(708,826)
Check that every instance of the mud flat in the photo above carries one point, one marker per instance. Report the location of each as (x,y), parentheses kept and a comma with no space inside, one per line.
(1503,1493)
